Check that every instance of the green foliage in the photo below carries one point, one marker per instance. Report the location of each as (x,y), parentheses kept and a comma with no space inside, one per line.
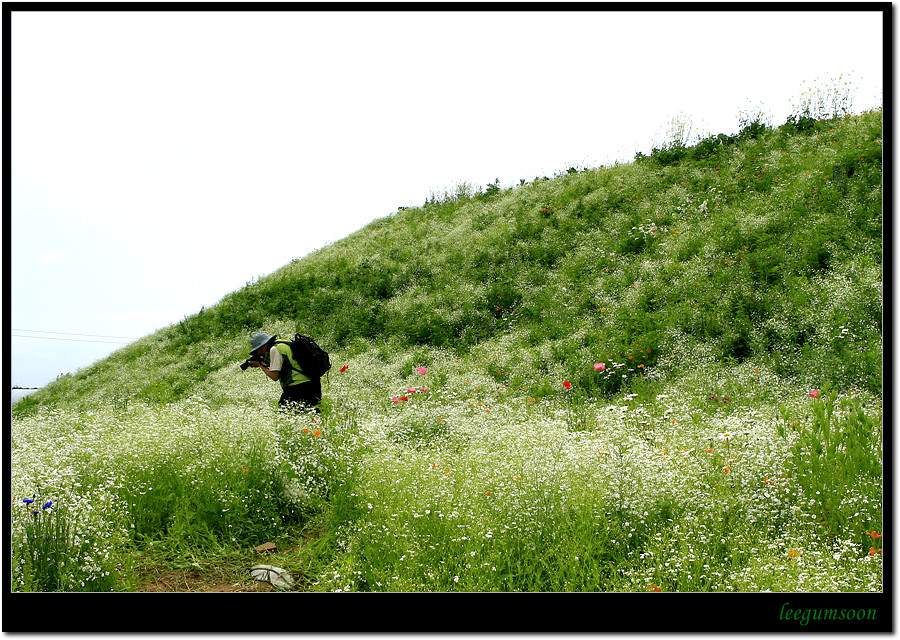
(51,557)
(837,450)
(222,501)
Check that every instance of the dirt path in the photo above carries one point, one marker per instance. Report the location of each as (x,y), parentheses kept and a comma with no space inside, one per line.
(192,580)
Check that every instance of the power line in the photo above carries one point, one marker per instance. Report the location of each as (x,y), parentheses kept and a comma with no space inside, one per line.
(68,339)
(63,333)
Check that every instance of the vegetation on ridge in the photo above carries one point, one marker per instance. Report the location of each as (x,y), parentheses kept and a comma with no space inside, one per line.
(676,362)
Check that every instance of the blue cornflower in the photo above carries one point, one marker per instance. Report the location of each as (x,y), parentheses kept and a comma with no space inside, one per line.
(48,505)
(27,500)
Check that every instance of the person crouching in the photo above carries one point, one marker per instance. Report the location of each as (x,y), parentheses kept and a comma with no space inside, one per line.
(277,362)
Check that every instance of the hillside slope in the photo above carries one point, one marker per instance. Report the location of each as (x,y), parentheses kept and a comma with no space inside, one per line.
(660,376)
(763,246)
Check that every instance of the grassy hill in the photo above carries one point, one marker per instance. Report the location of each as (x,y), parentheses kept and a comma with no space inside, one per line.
(763,247)
(578,331)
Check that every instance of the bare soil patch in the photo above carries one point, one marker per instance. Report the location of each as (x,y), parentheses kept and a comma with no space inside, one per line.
(192,580)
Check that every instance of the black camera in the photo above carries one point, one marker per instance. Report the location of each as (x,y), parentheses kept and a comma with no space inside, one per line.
(254,358)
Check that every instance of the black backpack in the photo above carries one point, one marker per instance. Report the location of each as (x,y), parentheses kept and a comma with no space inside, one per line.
(313,360)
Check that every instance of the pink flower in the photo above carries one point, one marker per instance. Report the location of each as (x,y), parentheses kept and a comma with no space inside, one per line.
(599,366)
(423,389)
(422,370)
(814,394)
(567,385)
(411,390)
(396,399)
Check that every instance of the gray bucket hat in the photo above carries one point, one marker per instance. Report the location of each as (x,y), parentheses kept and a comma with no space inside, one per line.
(260,340)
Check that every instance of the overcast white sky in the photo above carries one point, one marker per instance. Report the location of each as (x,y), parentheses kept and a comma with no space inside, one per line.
(161,160)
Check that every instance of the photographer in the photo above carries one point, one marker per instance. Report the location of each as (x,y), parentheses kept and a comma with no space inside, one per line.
(277,361)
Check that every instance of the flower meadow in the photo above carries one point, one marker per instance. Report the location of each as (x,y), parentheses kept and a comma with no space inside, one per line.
(472,485)
(479,487)
(654,377)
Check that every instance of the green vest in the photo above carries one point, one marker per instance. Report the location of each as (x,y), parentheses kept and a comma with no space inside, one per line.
(291,373)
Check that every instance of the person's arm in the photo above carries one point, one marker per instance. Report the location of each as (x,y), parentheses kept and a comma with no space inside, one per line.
(275,360)
(272,374)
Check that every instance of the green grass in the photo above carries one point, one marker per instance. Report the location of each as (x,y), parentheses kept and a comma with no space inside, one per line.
(718,284)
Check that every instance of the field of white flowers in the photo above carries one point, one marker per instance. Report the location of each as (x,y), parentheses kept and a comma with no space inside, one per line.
(461,482)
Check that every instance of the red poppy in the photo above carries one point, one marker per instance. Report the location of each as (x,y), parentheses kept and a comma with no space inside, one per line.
(567,385)
(344,368)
